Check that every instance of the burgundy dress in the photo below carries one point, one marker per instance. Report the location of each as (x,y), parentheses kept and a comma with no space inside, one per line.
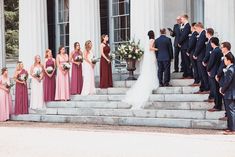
(21,96)
(76,79)
(49,83)
(105,70)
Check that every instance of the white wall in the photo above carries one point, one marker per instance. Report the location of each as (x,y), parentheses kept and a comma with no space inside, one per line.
(2,35)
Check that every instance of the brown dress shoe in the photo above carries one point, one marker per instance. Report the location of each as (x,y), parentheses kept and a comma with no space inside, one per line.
(229,133)
(209,100)
(223,118)
(213,110)
(194,84)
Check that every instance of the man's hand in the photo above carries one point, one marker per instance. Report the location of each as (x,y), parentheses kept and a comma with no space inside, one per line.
(220,90)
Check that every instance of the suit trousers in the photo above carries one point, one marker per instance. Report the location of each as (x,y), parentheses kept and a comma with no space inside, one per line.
(204,77)
(195,70)
(215,91)
(176,59)
(186,64)
(230,113)
(164,70)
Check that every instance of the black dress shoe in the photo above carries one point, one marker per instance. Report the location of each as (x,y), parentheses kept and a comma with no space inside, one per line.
(176,71)
(167,85)
(161,85)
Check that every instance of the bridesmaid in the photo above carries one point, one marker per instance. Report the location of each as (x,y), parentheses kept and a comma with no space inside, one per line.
(88,71)
(62,78)
(76,79)
(21,91)
(36,72)
(105,63)
(5,96)
(49,77)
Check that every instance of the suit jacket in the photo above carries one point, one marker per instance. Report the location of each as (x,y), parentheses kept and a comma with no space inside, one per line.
(208,50)
(165,50)
(214,61)
(176,34)
(184,36)
(192,43)
(201,46)
(220,72)
(228,87)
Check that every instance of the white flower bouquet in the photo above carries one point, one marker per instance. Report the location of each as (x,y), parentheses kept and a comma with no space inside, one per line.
(49,69)
(78,58)
(9,85)
(23,77)
(94,60)
(66,66)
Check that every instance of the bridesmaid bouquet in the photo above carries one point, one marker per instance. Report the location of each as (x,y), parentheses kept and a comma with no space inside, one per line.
(37,73)
(23,77)
(78,58)
(94,60)
(66,66)
(9,85)
(112,56)
(49,70)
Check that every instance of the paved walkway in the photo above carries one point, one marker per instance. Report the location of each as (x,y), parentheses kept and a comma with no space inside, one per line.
(88,142)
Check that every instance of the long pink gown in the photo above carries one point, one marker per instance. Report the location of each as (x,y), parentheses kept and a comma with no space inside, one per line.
(21,96)
(88,77)
(62,81)
(5,101)
(76,78)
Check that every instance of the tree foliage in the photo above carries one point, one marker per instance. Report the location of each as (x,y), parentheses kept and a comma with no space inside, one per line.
(11,12)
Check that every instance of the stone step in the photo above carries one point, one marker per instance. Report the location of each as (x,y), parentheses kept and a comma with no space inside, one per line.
(173,82)
(152,98)
(160,90)
(121,105)
(129,121)
(174,114)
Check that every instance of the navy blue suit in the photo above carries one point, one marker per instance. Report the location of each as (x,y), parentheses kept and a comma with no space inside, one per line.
(208,50)
(212,68)
(176,34)
(164,56)
(183,42)
(191,50)
(228,88)
(200,54)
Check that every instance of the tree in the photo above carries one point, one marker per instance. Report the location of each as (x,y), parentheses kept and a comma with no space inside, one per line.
(11,28)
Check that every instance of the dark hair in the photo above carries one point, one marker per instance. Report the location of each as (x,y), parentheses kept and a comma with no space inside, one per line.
(75,44)
(199,24)
(61,46)
(102,37)
(229,56)
(151,34)
(210,31)
(163,31)
(3,70)
(226,45)
(215,41)
(194,23)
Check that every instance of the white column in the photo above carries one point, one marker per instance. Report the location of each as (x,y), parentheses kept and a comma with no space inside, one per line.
(33,32)
(145,15)
(84,21)
(2,35)
(220,15)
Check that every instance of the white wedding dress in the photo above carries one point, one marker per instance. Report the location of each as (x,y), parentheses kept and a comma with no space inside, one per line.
(139,93)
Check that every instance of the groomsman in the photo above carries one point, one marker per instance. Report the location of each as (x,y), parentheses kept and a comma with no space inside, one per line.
(199,55)
(176,33)
(209,35)
(183,44)
(212,68)
(164,56)
(228,90)
(190,53)
(225,48)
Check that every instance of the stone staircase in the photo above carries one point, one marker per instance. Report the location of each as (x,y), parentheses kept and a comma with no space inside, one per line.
(175,106)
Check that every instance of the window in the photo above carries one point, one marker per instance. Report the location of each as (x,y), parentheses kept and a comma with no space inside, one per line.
(120,23)
(62,27)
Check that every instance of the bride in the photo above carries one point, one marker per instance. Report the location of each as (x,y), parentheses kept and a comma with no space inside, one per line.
(139,93)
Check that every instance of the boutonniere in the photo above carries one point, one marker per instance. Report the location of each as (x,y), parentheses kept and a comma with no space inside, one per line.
(225,70)
(206,42)
(210,52)
(222,58)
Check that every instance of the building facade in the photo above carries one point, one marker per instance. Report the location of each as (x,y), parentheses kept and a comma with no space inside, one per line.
(51,23)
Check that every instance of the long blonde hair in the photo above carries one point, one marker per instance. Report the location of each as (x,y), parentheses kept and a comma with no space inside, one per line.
(88,45)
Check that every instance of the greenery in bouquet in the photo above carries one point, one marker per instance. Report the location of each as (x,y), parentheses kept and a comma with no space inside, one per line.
(9,85)
(49,69)
(37,73)
(112,56)
(23,77)
(66,66)
(94,60)
(130,50)
(78,58)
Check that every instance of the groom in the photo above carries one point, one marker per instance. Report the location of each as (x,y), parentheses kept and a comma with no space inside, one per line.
(164,55)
